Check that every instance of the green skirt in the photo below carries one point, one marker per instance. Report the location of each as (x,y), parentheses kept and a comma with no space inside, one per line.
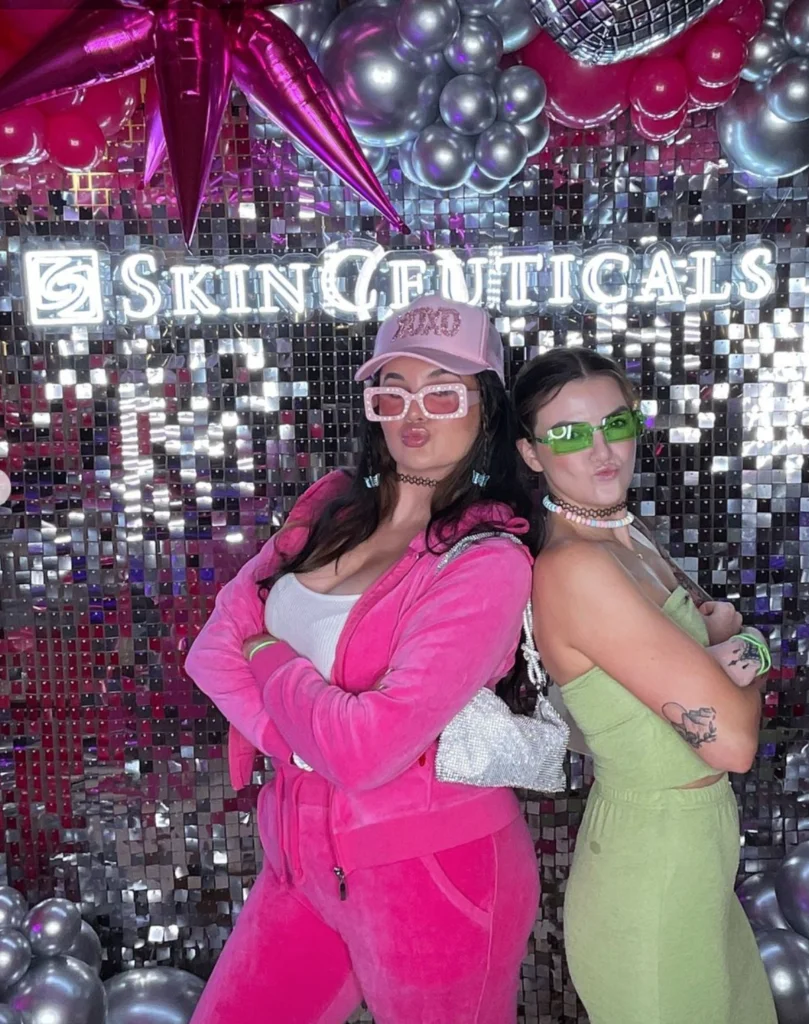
(654,932)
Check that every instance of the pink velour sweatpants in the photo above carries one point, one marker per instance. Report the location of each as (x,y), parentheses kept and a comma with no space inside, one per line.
(437,939)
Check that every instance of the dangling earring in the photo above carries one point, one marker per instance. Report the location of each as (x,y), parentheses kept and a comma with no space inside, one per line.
(372,482)
(480,479)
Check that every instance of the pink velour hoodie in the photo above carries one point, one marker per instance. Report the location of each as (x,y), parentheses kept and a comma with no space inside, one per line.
(416,647)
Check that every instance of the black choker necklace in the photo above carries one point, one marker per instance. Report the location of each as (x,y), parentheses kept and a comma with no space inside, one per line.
(419,481)
(593,513)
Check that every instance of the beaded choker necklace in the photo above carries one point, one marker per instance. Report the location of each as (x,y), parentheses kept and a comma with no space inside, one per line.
(579,515)
(419,481)
(593,513)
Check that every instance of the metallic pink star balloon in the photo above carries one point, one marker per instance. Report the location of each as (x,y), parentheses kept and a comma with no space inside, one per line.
(198,48)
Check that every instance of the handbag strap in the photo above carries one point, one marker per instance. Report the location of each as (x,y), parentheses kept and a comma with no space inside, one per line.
(536,672)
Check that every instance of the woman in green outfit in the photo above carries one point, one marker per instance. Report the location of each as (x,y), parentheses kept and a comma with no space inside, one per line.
(653,930)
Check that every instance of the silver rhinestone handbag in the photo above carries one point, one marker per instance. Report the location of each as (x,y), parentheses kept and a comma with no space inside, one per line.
(486,744)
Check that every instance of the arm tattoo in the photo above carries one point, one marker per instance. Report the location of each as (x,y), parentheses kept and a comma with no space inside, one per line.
(746,653)
(696,727)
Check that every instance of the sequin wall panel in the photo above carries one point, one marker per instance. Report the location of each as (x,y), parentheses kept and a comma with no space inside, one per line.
(149,462)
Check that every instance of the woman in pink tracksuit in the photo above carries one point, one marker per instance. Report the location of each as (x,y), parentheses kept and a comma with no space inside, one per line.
(342,650)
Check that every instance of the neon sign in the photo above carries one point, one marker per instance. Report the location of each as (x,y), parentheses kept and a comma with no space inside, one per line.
(357,280)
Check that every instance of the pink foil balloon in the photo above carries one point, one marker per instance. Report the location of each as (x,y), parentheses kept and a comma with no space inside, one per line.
(579,96)
(715,55)
(192,67)
(96,44)
(659,87)
(22,135)
(74,142)
(274,70)
(192,51)
(112,104)
(155,137)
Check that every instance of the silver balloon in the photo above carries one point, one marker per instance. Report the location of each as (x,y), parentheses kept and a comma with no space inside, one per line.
(516,22)
(754,139)
(477,6)
(8,1015)
(788,90)
(308,19)
(87,947)
(151,994)
(612,30)
(442,158)
(759,902)
(792,889)
(52,926)
(485,185)
(796,26)
(13,907)
(468,104)
(535,133)
(765,53)
(774,10)
(15,956)
(501,151)
(521,94)
(476,48)
(786,961)
(404,155)
(428,25)
(59,990)
(386,99)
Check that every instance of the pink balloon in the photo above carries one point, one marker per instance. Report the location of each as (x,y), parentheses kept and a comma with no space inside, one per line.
(579,96)
(74,141)
(715,55)
(744,15)
(703,97)
(657,129)
(112,104)
(22,135)
(672,47)
(659,87)
(274,70)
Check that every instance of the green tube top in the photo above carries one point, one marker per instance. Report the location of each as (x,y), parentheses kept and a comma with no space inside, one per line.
(633,748)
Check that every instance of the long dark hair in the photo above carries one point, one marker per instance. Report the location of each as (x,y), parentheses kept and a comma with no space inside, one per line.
(537,383)
(351,518)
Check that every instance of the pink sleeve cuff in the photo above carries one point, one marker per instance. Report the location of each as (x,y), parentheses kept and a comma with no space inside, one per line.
(267,659)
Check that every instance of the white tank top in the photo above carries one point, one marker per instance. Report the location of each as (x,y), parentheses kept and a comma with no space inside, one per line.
(309,622)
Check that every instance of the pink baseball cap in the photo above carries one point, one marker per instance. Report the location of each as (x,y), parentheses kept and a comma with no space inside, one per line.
(453,335)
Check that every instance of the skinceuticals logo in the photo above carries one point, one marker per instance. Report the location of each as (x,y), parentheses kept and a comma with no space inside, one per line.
(356,280)
(63,286)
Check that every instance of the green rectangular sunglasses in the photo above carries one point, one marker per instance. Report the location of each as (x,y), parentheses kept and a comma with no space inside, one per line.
(576,437)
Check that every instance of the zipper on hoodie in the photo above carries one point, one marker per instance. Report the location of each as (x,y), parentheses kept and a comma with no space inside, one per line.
(339,873)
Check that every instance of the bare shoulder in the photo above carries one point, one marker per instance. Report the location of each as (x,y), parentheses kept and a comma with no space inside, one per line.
(578,569)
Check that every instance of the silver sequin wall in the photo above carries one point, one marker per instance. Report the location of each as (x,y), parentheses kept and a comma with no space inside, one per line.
(147,465)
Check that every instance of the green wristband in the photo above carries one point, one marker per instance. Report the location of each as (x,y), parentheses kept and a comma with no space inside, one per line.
(762,649)
(260,647)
